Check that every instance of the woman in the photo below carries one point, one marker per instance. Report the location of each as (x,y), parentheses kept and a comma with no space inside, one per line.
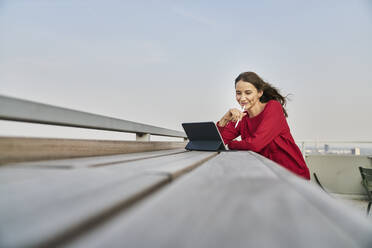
(262,125)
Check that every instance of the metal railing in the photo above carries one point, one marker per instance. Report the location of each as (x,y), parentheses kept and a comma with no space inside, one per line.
(14,109)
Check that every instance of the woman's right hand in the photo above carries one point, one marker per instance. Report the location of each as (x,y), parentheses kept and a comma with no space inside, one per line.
(233,114)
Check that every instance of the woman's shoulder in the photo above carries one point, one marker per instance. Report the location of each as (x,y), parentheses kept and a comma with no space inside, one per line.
(274,104)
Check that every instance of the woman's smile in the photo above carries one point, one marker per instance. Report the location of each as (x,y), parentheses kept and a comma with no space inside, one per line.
(244,105)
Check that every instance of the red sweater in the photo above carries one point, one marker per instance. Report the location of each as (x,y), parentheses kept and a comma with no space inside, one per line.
(267,134)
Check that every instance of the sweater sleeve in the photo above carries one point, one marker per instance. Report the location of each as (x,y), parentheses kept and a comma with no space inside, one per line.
(270,127)
(229,132)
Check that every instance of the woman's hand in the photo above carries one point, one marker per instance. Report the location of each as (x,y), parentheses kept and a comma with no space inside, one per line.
(233,114)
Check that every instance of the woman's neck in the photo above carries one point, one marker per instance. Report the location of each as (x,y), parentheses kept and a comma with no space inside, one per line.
(256,109)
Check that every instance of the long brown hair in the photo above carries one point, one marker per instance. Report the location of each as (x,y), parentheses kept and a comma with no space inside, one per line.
(269,91)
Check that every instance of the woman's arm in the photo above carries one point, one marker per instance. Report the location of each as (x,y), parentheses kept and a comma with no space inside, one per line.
(272,124)
(228,132)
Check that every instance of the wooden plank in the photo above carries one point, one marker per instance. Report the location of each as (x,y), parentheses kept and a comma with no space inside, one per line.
(45,210)
(20,173)
(175,170)
(95,161)
(13,150)
(235,200)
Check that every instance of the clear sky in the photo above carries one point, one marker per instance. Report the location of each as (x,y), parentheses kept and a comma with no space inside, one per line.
(167,62)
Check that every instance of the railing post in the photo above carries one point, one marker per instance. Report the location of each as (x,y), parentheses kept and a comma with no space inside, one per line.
(142,137)
(303,148)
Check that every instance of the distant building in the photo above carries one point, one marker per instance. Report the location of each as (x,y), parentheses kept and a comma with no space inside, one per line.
(326,148)
(355,151)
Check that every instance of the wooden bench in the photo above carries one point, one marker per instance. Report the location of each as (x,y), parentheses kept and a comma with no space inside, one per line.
(231,199)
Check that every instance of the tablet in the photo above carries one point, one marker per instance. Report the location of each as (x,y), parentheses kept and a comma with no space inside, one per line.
(203,136)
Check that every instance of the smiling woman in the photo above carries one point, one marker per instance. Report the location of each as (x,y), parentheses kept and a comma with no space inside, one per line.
(263,127)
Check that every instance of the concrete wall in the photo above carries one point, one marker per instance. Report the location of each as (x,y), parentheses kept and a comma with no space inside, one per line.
(339,173)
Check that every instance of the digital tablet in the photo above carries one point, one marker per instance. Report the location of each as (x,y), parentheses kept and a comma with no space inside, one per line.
(203,136)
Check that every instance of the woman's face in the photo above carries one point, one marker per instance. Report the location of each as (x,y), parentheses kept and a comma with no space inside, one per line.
(247,94)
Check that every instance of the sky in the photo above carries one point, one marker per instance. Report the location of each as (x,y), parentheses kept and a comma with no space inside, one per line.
(164,62)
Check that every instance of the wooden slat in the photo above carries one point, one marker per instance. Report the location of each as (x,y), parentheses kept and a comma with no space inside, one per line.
(59,204)
(13,150)
(174,170)
(7,171)
(95,161)
(235,200)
